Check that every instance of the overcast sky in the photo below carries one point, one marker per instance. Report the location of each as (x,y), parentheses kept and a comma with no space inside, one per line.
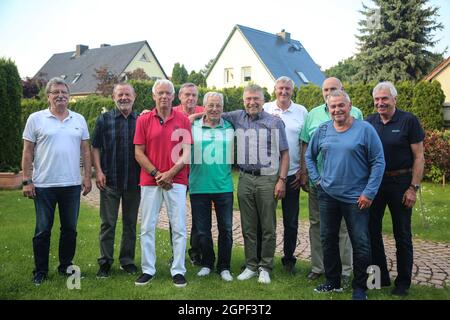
(189,32)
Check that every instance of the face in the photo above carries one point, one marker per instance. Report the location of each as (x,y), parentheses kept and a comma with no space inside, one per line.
(384,102)
(328,86)
(213,109)
(253,102)
(124,97)
(58,97)
(339,109)
(283,92)
(163,96)
(188,97)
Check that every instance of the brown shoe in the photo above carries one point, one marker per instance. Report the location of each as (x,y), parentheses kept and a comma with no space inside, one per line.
(313,276)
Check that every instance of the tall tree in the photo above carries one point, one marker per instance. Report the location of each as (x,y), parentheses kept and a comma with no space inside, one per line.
(106,81)
(395,38)
(197,79)
(345,70)
(179,74)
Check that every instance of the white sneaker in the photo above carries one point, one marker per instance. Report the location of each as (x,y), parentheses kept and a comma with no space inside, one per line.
(264,276)
(226,275)
(204,272)
(246,274)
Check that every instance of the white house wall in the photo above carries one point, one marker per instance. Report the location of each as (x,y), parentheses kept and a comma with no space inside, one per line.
(238,54)
(151,68)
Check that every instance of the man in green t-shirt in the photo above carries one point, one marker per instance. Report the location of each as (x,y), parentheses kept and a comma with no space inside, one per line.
(315,117)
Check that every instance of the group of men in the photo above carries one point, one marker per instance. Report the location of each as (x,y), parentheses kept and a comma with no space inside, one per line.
(350,168)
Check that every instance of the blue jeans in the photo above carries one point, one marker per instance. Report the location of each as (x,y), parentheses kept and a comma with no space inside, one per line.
(68,200)
(331,213)
(290,205)
(391,194)
(201,215)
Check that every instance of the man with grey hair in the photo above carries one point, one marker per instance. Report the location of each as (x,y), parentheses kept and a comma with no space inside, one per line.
(52,141)
(117,174)
(352,169)
(402,137)
(263,161)
(162,148)
(210,182)
(316,117)
(293,116)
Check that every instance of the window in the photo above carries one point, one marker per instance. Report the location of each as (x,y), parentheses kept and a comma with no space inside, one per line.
(144,58)
(63,76)
(246,74)
(302,76)
(228,75)
(77,76)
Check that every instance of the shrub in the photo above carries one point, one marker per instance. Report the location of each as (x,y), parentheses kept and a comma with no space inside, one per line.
(437,155)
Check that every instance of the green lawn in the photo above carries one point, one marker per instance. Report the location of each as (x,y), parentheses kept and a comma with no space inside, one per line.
(431,223)
(16,264)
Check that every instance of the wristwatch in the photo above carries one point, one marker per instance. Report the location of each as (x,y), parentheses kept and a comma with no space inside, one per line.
(416,187)
(27,182)
(282,179)
(154,172)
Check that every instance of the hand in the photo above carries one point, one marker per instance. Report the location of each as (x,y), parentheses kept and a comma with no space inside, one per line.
(296,183)
(86,186)
(101,180)
(144,112)
(164,180)
(364,202)
(304,181)
(409,198)
(29,191)
(280,190)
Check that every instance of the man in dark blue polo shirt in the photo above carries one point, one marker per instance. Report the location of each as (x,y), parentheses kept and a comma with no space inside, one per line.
(402,137)
(117,174)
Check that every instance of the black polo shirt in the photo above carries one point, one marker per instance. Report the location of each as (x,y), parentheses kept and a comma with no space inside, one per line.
(397,136)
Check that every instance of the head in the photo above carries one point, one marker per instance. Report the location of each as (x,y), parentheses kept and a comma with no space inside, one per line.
(385,98)
(163,94)
(284,89)
(329,85)
(213,102)
(58,93)
(124,96)
(188,95)
(253,99)
(339,106)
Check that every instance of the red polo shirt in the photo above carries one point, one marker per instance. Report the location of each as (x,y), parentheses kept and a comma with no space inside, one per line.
(197,109)
(157,139)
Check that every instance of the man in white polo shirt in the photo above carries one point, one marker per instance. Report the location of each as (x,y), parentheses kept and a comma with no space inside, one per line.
(53,139)
(293,116)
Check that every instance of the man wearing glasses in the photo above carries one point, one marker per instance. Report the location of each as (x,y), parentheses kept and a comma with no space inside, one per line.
(53,139)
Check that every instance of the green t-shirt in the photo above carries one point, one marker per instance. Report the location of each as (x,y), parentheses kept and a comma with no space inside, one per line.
(211,158)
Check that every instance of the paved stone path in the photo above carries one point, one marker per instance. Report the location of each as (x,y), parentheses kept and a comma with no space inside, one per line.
(431,259)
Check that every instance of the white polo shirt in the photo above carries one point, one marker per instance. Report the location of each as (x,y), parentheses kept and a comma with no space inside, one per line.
(293,117)
(57,148)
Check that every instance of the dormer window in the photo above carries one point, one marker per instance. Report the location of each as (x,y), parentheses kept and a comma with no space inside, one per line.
(77,76)
(63,76)
(302,77)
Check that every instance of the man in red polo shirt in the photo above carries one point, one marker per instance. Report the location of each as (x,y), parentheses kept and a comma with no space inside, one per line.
(162,148)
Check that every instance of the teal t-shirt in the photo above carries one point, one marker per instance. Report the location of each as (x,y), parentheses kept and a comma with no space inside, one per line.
(211,158)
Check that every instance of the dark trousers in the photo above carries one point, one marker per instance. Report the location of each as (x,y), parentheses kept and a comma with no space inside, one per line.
(109,210)
(331,213)
(290,206)
(201,215)
(68,200)
(391,194)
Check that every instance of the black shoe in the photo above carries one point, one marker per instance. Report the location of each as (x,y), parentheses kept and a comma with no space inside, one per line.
(62,271)
(327,287)
(290,268)
(313,276)
(345,281)
(103,272)
(39,277)
(179,280)
(129,268)
(359,294)
(143,279)
(400,291)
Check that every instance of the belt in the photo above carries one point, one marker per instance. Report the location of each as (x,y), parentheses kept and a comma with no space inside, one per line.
(400,172)
(252,172)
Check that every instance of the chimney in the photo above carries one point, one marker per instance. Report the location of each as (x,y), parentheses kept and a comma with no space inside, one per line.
(286,36)
(80,50)
(103,45)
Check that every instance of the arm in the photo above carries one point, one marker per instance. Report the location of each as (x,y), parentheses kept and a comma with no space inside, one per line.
(311,159)
(27,167)
(144,162)
(167,177)
(409,198)
(280,187)
(195,116)
(304,179)
(100,176)
(86,155)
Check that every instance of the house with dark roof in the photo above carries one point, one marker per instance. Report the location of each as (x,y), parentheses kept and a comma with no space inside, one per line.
(442,74)
(261,57)
(77,67)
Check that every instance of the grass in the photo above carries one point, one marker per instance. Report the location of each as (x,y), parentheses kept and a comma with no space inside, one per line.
(16,264)
(431,223)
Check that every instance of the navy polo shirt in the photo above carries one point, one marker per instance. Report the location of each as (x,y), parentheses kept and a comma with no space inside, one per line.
(397,136)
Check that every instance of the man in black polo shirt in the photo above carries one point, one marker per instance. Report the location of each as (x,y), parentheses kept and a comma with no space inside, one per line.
(117,174)
(402,137)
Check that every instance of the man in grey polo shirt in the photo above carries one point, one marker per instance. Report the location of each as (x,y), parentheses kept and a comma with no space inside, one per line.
(263,160)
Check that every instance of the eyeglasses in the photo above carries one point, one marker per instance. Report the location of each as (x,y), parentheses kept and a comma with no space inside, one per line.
(57,92)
